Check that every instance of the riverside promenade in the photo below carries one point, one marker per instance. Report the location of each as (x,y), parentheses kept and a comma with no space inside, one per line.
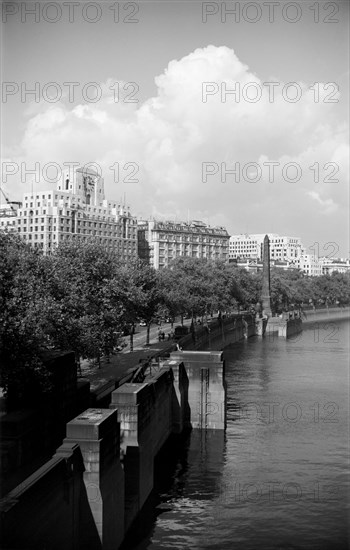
(117,368)
(120,365)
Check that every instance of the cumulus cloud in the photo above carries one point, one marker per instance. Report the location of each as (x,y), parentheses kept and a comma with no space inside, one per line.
(328,204)
(171,135)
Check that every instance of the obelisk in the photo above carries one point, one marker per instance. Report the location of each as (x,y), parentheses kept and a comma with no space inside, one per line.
(265,294)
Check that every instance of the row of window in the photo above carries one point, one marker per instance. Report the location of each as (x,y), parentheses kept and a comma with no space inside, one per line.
(36,229)
(193,242)
(186,248)
(193,255)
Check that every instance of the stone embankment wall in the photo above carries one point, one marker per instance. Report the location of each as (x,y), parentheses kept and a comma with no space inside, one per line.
(287,327)
(326,314)
(219,333)
(30,436)
(87,496)
(284,328)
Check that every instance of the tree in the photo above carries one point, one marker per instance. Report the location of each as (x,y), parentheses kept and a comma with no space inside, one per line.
(189,286)
(82,281)
(24,310)
(244,287)
(146,297)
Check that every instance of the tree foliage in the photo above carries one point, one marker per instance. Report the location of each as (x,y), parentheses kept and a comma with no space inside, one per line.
(80,298)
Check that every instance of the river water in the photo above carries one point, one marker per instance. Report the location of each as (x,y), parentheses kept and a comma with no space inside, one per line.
(278,477)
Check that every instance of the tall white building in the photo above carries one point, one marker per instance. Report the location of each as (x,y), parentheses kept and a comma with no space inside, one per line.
(282,248)
(77,209)
(160,242)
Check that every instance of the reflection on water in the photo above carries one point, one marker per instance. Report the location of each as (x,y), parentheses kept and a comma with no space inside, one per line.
(278,477)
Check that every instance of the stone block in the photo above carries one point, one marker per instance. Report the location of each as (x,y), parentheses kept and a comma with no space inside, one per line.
(92,424)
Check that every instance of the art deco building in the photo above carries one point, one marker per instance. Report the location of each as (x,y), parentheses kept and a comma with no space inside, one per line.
(76,209)
(162,241)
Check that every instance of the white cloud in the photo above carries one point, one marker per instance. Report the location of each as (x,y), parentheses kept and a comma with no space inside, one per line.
(327,204)
(169,137)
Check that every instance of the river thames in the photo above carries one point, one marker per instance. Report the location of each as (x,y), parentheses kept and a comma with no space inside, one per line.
(278,477)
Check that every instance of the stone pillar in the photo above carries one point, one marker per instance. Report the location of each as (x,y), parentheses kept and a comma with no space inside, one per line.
(265,295)
(144,412)
(133,402)
(206,387)
(180,411)
(97,432)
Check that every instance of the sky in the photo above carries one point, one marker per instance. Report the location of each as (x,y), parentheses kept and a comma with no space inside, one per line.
(234,113)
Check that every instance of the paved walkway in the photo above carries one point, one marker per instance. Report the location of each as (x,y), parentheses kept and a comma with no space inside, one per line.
(118,365)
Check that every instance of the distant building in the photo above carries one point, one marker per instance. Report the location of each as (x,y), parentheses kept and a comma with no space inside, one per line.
(253,265)
(309,264)
(76,209)
(330,265)
(162,241)
(282,248)
(9,215)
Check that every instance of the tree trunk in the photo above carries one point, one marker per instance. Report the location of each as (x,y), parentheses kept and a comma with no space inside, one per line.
(132,339)
(147,334)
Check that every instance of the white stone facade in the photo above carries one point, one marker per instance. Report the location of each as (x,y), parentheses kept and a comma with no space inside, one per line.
(76,209)
(282,248)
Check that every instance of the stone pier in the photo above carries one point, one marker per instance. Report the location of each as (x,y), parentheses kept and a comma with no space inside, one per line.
(206,390)
(97,432)
(144,413)
(284,326)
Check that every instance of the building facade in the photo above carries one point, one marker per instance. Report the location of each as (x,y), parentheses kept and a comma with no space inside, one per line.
(282,248)
(162,241)
(309,264)
(9,215)
(254,265)
(77,209)
(331,265)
